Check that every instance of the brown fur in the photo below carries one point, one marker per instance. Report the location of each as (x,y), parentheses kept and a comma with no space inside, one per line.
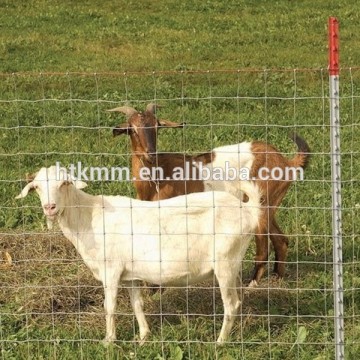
(156,189)
(273,193)
(205,158)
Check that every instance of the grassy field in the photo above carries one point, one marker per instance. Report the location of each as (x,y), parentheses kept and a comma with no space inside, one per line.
(234,71)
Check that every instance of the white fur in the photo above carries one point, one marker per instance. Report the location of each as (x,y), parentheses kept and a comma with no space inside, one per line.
(178,241)
(237,156)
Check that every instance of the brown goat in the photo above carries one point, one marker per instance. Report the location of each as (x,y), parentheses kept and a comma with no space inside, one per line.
(142,128)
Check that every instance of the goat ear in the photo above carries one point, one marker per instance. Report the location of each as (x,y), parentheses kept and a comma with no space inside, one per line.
(77,183)
(122,129)
(167,123)
(80,184)
(25,190)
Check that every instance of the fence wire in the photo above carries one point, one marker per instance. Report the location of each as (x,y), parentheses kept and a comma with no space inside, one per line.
(50,303)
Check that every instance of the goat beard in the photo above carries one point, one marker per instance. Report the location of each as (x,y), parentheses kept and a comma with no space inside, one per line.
(50,223)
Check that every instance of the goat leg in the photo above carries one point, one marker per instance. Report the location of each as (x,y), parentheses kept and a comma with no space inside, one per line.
(231,307)
(280,243)
(110,306)
(260,259)
(137,304)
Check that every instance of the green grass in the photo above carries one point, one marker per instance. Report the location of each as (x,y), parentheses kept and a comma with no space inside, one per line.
(64,63)
(163,35)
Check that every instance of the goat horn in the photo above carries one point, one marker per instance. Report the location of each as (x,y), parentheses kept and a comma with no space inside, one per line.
(127,110)
(152,107)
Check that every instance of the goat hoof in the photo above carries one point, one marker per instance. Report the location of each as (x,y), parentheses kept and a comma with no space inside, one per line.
(253,284)
(143,339)
(220,342)
(276,275)
(108,341)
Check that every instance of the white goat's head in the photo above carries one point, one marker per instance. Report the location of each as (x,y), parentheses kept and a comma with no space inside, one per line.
(48,182)
(142,128)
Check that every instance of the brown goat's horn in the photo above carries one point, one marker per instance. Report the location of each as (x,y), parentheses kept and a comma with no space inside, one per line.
(152,107)
(127,110)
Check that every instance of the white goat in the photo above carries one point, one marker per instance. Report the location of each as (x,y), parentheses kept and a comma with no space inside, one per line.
(175,242)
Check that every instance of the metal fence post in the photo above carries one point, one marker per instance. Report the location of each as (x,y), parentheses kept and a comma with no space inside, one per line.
(336,187)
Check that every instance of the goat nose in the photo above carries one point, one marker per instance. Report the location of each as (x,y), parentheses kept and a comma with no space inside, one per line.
(50,206)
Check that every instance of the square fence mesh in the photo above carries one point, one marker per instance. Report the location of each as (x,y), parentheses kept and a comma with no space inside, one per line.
(51,304)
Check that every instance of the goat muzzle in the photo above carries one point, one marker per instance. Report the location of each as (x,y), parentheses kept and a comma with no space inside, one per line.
(50,210)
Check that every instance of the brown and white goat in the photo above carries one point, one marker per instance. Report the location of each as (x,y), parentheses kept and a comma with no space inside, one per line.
(142,128)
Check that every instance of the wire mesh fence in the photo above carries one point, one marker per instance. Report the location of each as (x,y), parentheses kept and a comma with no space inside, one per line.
(51,306)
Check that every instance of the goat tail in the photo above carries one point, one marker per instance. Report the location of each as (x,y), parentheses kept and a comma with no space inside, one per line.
(302,157)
